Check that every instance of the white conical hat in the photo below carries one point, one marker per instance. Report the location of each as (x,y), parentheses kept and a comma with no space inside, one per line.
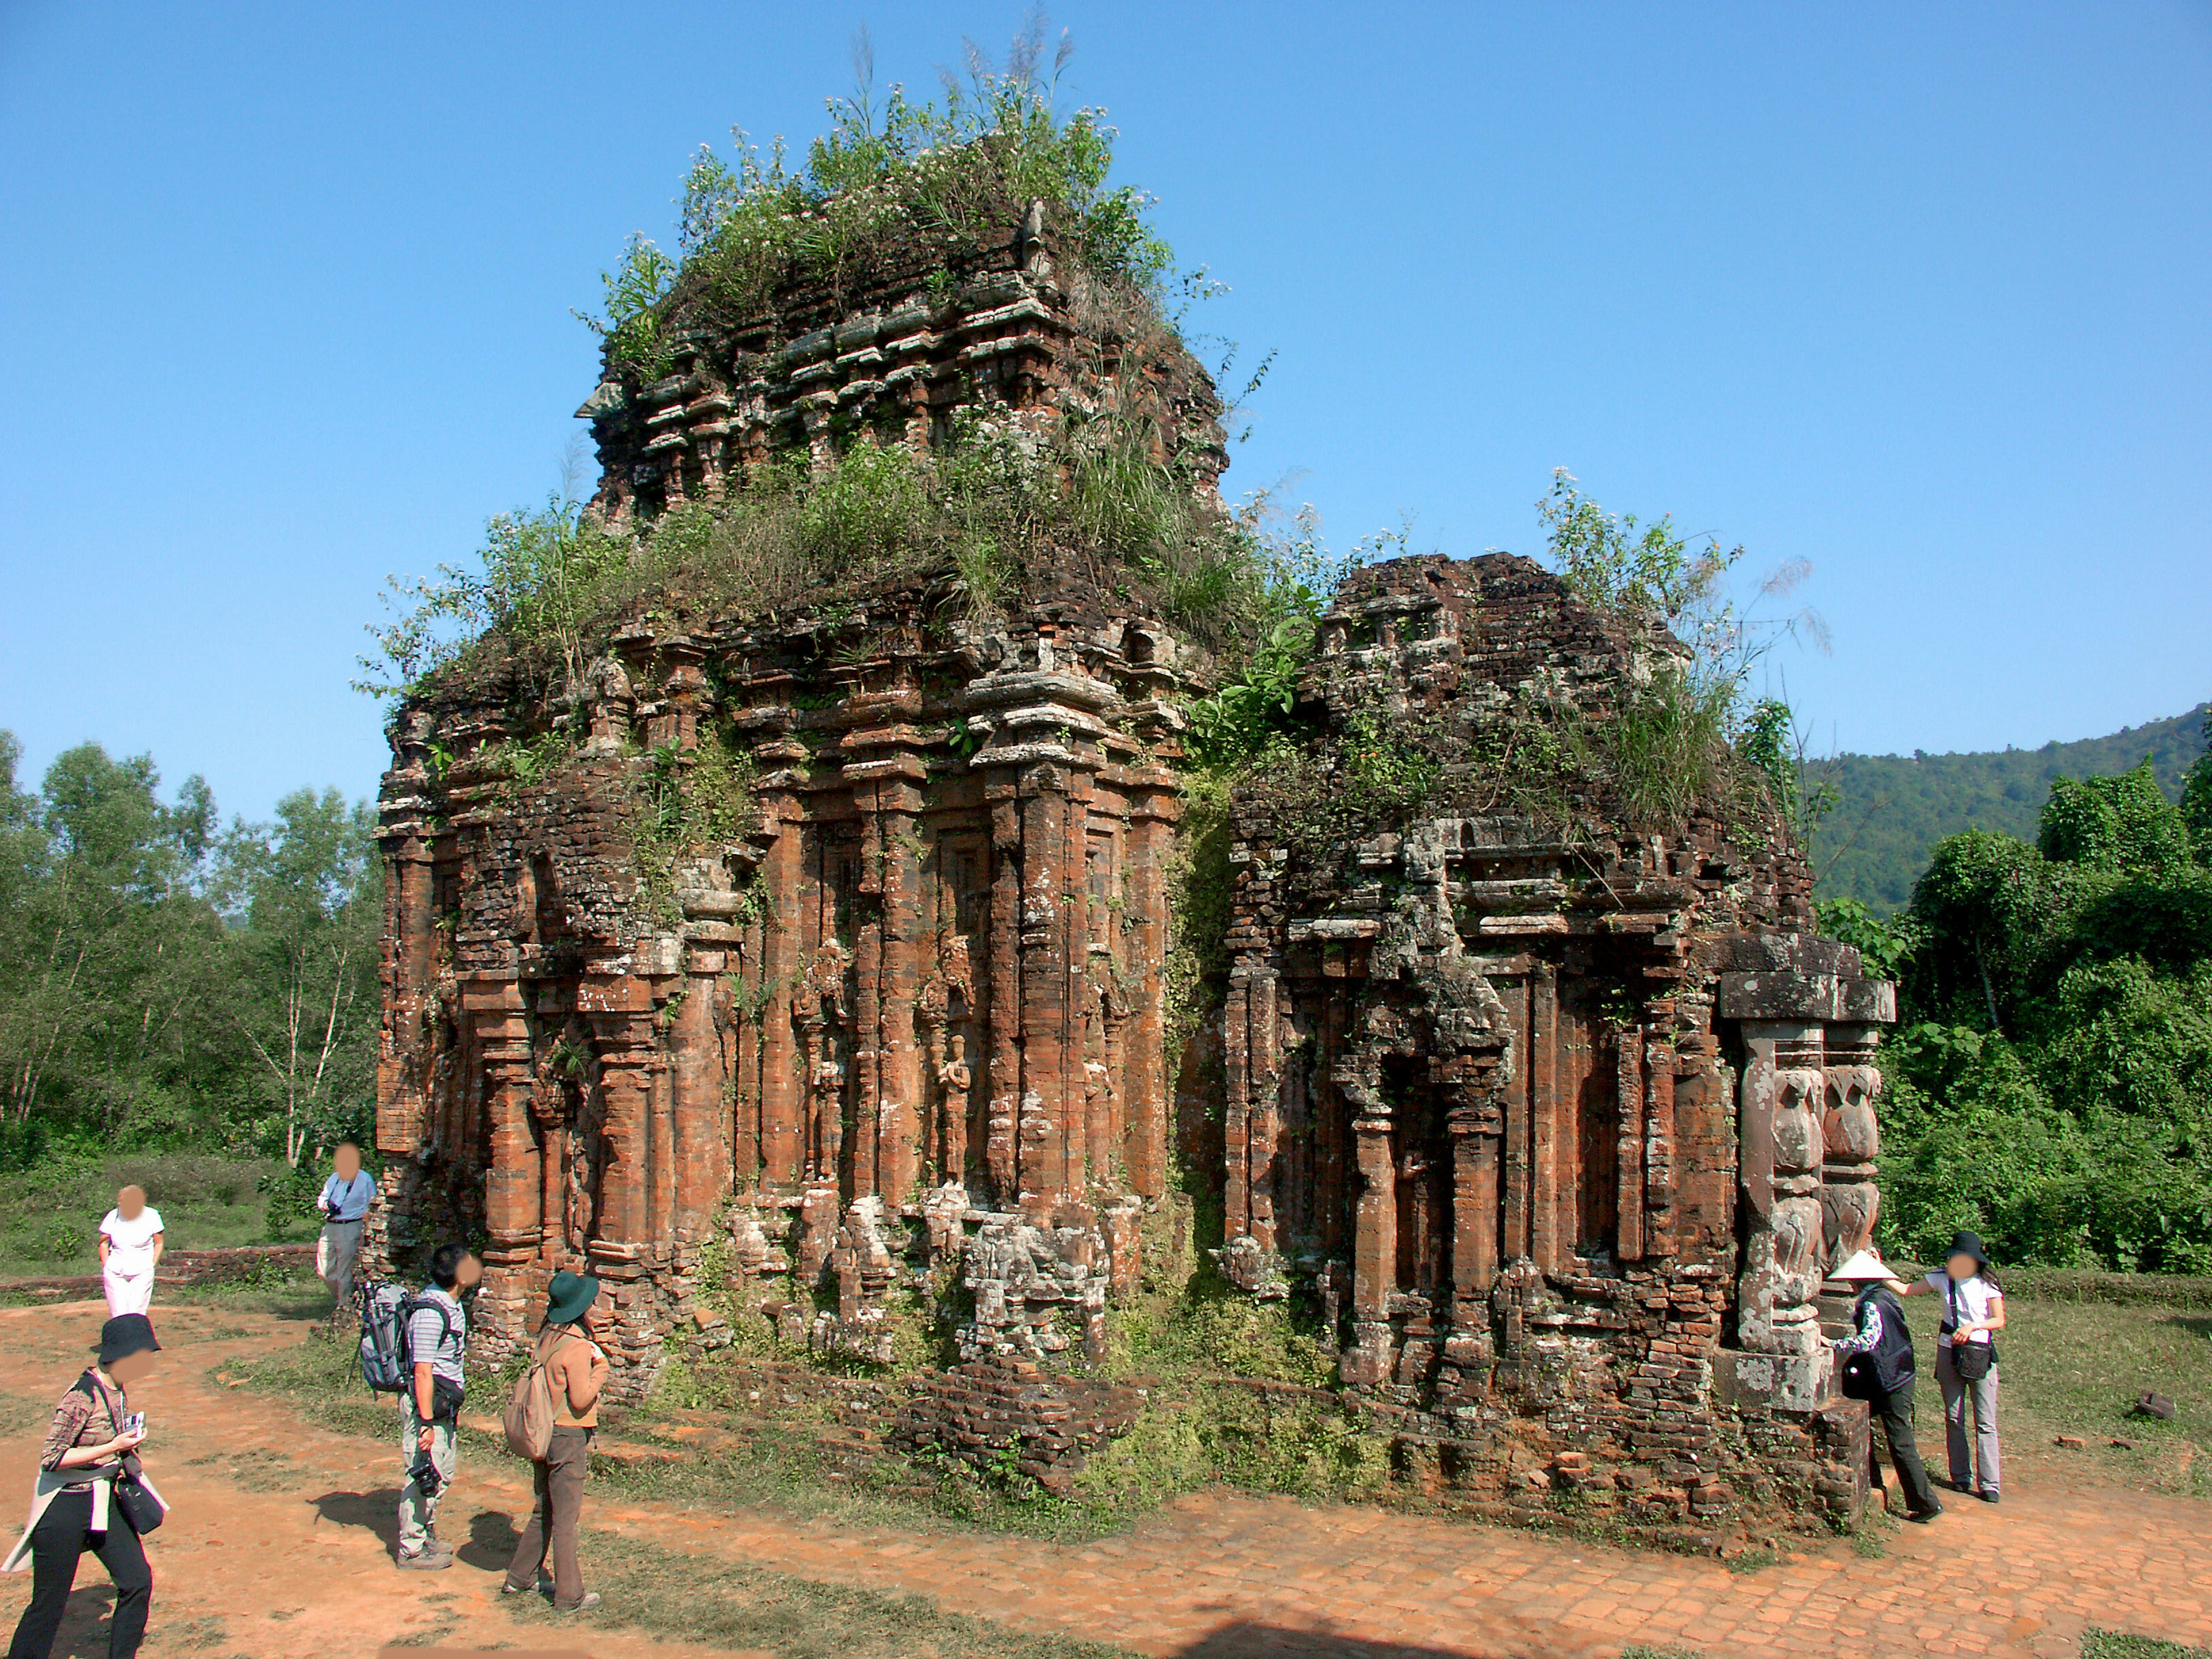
(1861,1268)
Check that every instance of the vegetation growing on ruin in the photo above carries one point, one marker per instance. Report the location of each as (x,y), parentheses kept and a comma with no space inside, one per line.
(891,181)
(686,803)
(2050,1080)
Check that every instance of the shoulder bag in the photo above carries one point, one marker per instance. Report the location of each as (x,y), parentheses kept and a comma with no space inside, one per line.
(126,1490)
(1971,1360)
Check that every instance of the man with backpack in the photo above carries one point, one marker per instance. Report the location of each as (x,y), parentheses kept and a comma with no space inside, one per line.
(550,1421)
(437,1335)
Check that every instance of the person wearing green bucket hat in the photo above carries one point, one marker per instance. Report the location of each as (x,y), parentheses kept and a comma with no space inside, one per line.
(575,1368)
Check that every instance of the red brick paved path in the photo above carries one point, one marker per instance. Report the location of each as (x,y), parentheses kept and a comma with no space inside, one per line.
(2021,1578)
(296,1561)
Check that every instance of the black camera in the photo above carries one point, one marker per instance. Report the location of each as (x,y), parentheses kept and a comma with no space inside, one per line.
(425,1476)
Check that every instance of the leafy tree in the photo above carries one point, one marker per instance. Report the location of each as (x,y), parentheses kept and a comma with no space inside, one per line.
(164,984)
(2196,797)
(305,892)
(2052,1084)
(2124,823)
(109,940)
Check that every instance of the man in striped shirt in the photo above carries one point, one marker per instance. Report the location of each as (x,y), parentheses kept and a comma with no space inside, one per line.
(437,1339)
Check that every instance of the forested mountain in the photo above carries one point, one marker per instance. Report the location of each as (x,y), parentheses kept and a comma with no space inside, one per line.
(1893,809)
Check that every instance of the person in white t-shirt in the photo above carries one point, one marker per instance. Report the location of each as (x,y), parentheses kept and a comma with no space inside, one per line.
(1973,1309)
(130,1249)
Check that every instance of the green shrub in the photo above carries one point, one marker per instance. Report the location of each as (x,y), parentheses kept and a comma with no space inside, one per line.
(883,183)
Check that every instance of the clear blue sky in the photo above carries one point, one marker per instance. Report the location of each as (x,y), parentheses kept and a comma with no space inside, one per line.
(1921,293)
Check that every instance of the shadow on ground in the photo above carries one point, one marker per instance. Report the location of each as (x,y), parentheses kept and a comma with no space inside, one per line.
(84,1627)
(492,1533)
(1245,1640)
(492,1538)
(374,1511)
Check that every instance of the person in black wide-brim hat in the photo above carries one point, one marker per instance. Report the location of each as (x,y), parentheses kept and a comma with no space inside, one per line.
(1967,1362)
(74,1506)
(576,1370)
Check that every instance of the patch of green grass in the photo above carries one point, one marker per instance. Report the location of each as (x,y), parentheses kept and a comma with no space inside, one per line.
(50,1216)
(717,1604)
(2116,1645)
(778,1466)
(1754,1561)
(197,1634)
(22,1417)
(2076,1368)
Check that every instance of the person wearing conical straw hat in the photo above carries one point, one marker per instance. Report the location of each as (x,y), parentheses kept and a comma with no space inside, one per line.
(1878,1369)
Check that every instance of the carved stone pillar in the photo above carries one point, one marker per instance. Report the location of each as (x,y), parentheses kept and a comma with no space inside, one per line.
(1003,1067)
(620,1010)
(1780,1137)
(1145,1089)
(1041,1123)
(511,1181)
(1659,1151)
(550,1109)
(1851,1136)
(784,1082)
(699,1140)
(1369,1361)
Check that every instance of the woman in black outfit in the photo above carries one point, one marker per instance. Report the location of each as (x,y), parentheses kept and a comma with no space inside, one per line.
(1879,1369)
(74,1507)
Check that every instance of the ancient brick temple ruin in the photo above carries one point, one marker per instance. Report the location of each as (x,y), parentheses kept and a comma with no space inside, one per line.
(1566,1129)
(1556,1128)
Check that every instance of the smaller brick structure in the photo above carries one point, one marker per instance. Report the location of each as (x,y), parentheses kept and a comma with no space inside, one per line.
(1005,1415)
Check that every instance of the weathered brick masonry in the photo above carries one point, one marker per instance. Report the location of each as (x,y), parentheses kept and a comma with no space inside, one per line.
(1566,1128)
(1560,1129)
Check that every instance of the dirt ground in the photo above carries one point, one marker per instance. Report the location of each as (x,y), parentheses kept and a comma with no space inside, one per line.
(280,1544)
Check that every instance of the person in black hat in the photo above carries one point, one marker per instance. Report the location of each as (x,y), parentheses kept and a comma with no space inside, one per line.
(1879,1369)
(1967,1362)
(577,1370)
(93,1441)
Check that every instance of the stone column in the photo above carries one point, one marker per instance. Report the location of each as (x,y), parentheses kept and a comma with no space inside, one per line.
(549,1110)
(867,1053)
(900,1066)
(1152,815)
(784,1082)
(1369,1361)
(1476,1144)
(1779,1134)
(1785,990)
(621,1012)
(1852,1141)
(1545,1116)
(1254,1113)
(411,932)
(1658,1149)
(1040,1124)
(698,1143)
(1629,1091)
(1003,1065)
(512,1182)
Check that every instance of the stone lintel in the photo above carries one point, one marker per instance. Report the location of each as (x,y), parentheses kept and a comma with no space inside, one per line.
(1782,997)
(1001,690)
(911,767)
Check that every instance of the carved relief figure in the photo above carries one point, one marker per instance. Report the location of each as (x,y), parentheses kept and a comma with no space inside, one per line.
(1849,1201)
